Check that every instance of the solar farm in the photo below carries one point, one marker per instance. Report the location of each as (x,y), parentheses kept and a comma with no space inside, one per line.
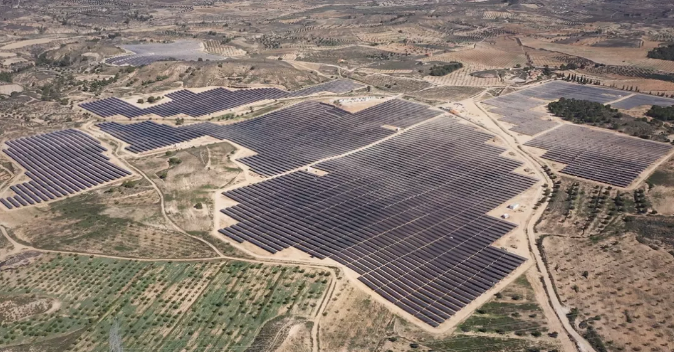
(515,108)
(187,103)
(310,131)
(284,139)
(408,215)
(642,100)
(145,54)
(599,155)
(59,164)
(588,153)
(558,89)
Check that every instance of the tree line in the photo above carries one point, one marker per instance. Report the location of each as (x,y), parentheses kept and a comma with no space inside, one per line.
(583,111)
(662,53)
(662,113)
(445,69)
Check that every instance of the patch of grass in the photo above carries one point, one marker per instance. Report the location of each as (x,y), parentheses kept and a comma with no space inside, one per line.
(223,246)
(88,217)
(652,230)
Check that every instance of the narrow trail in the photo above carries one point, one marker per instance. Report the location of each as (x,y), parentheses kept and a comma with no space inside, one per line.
(530,231)
(580,342)
(162,203)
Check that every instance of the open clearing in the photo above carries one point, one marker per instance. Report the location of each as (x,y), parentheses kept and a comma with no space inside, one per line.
(122,220)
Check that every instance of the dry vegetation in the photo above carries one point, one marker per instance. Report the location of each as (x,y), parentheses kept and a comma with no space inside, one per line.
(187,179)
(123,220)
(618,287)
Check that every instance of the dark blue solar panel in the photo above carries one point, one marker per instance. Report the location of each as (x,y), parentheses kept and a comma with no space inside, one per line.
(285,139)
(185,102)
(58,164)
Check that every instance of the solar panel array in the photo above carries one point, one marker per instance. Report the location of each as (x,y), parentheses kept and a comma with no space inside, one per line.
(186,102)
(598,155)
(309,131)
(515,109)
(285,139)
(557,89)
(148,135)
(58,164)
(408,215)
(145,54)
(641,100)
(339,86)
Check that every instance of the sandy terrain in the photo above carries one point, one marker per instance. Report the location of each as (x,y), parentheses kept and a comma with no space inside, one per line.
(7,89)
(627,286)
(610,56)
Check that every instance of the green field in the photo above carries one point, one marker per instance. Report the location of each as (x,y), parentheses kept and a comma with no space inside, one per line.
(158,306)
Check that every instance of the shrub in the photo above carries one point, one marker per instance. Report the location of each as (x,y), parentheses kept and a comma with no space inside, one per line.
(445,69)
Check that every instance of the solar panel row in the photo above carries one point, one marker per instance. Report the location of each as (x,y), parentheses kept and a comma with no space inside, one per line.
(199,104)
(598,155)
(641,100)
(148,135)
(557,89)
(309,131)
(515,109)
(285,139)
(58,164)
(194,104)
(145,54)
(408,215)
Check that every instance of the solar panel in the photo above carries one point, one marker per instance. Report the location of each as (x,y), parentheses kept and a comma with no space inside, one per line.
(58,164)
(409,215)
(599,155)
(185,102)
(642,100)
(145,54)
(285,139)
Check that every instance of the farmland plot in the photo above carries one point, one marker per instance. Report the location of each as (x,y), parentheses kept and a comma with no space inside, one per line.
(158,306)
(488,55)
(216,47)
(617,287)
(464,77)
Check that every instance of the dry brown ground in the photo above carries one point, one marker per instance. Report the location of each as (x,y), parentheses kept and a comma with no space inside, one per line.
(498,53)
(201,172)
(353,321)
(298,339)
(661,188)
(606,55)
(620,287)
(112,220)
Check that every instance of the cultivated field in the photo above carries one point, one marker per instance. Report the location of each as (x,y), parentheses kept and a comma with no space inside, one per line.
(617,287)
(69,303)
